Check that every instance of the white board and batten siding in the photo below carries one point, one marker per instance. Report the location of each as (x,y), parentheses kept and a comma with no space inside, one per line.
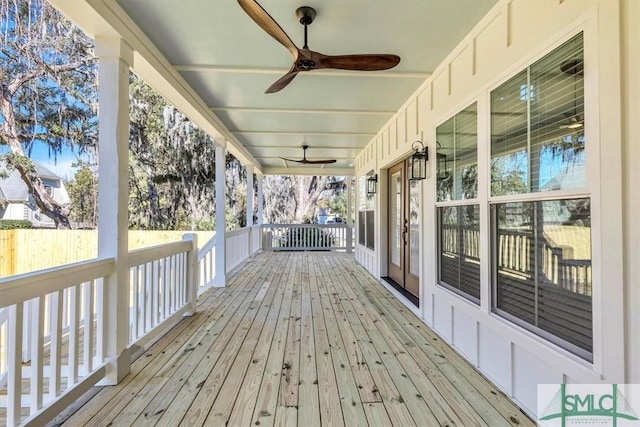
(510,37)
(366,162)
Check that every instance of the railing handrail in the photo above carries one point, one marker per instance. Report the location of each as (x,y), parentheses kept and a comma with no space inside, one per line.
(144,255)
(207,247)
(23,287)
(238,231)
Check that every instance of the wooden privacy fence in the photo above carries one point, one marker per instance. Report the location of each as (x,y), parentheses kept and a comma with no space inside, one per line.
(22,251)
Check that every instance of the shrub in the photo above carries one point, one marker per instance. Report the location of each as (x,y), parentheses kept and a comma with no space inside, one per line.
(10,224)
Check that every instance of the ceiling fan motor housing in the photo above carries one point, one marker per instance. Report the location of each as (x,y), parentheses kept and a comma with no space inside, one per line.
(306,15)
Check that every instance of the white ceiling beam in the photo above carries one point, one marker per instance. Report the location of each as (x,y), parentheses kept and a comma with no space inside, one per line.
(282,71)
(302,111)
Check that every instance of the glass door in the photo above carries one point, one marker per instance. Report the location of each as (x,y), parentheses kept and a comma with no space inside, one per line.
(404,230)
(396,224)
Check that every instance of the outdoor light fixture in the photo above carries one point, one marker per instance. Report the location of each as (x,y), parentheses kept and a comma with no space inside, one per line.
(418,161)
(442,168)
(372,182)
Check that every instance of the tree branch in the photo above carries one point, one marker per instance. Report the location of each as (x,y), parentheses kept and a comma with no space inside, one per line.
(38,72)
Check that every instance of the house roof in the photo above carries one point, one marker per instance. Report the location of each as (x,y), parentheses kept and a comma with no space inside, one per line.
(13,188)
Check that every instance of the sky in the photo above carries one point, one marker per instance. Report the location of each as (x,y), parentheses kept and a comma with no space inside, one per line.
(60,165)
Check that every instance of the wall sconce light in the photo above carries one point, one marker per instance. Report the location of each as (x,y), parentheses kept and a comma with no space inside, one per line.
(441,167)
(372,182)
(418,161)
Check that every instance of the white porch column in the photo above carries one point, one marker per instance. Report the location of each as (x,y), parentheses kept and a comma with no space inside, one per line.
(249,196)
(115,57)
(221,223)
(260,199)
(348,181)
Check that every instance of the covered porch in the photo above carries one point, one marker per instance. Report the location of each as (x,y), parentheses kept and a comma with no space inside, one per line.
(300,338)
(225,334)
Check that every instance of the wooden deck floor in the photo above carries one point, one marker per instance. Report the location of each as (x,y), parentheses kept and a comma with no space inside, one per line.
(303,339)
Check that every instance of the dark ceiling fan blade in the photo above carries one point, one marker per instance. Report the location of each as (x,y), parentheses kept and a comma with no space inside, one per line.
(268,24)
(310,162)
(304,160)
(372,62)
(283,81)
(318,162)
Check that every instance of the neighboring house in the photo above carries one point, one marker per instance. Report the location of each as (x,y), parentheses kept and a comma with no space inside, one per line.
(17,203)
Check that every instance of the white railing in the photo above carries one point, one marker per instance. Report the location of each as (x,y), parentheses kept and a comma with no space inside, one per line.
(53,328)
(237,244)
(207,265)
(54,320)
(159,286)
(307,237)
(256,239)
(4,331)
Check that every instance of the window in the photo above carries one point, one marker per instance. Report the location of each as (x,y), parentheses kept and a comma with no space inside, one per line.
(541,244)
(457,156)
(459,249)
(458,221)
(366,215)
(543,269)
(537,136)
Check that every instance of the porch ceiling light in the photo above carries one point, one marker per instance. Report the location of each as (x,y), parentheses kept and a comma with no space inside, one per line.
(418,161)
(372,182)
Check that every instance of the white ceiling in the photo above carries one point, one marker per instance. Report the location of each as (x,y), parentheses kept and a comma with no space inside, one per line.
(229,62)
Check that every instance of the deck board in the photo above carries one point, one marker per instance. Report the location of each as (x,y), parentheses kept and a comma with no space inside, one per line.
(301,339)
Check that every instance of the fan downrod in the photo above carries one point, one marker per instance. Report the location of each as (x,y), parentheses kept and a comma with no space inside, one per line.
(306,15)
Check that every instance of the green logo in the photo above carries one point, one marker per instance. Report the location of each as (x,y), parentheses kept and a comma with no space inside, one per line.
(587,407)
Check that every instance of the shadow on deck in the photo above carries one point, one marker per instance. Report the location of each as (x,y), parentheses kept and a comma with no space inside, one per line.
(301,339)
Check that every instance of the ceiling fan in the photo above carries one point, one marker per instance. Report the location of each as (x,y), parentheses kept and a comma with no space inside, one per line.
(305,161)
(572,122)
(305,59)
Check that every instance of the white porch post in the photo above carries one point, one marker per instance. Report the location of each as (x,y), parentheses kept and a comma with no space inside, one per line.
(249,195)
(348,181)
(115,57)
(260,199)
(221,223)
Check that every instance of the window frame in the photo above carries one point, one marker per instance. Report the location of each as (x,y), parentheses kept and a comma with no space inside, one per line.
(548,336)
(439,282)
(589,189)
(458,203)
